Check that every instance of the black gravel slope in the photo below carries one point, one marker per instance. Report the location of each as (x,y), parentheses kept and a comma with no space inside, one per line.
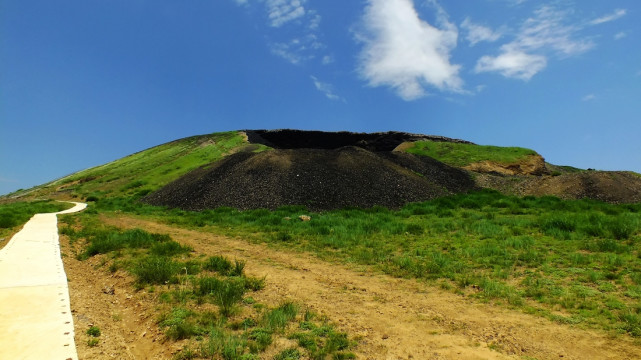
(321,179)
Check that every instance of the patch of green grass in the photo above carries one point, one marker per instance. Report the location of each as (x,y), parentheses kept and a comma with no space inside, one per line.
(288,354)
(92,342)
(321,340)
(180,324)
(278,318)
(93,331)
(13,215)
(155,270)
(108,240)
(465,154)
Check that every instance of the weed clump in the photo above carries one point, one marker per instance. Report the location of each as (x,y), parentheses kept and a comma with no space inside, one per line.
(155,269)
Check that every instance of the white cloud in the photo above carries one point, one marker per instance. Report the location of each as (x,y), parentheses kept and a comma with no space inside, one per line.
(327,59)
(588,97)
(512,63)
(618,13)
(315,20)
(477,33)
(620,35)
(297,50)
(290,51)
(281,12)
(544,34)
(548,29)
(297,46)
(406,53)
(326,89)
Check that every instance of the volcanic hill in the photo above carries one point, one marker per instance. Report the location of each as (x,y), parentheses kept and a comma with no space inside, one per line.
(319,170)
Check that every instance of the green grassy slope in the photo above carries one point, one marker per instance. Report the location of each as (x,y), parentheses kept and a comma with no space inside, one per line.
(148,170)
(461,155)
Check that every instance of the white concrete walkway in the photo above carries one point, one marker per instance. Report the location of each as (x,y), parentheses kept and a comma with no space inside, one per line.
(35,314)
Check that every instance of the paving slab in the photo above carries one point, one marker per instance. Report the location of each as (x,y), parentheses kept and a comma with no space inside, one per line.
(35,312)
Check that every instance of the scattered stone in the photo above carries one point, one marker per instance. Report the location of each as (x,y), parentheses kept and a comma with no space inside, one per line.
(109,290)
(305,218)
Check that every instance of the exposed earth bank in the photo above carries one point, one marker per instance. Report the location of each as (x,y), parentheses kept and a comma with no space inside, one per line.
(608,186)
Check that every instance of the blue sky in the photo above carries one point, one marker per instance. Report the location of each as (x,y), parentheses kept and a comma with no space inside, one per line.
(84,82)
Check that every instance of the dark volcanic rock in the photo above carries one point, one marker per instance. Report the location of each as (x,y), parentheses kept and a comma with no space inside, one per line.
(302,139)
(319,178)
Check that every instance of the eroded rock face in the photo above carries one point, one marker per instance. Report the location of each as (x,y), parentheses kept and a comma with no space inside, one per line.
(532,165)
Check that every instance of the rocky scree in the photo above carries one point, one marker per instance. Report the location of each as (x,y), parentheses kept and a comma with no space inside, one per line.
(319,170)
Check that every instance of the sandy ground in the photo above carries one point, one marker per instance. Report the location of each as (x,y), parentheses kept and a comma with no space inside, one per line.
(391,318)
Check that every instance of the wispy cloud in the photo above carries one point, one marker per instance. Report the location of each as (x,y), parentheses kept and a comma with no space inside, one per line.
(618,13)
(326,89)
(285,15)
(327,59)
(620,35)
(588,97)
(289,51)
(281,12)
(406,53)
(547,32)
(515,2)
(477,33)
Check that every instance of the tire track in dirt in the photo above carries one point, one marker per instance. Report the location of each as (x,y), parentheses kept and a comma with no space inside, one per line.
(399,318)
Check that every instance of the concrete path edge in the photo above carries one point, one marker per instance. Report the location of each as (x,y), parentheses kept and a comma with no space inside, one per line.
(35,311)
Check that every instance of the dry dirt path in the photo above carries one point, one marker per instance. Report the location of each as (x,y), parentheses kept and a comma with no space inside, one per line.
(391,318)
(35,317)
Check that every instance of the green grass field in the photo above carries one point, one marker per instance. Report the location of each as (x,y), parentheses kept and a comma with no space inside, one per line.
(576,262)
(14,215)
(461,155)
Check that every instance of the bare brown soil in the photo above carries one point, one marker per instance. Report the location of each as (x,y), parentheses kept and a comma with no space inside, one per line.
(608,186)
(531,165)
(391,318)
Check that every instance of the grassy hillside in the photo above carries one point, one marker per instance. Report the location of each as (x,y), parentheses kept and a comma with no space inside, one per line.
(148,170)
(461,155)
